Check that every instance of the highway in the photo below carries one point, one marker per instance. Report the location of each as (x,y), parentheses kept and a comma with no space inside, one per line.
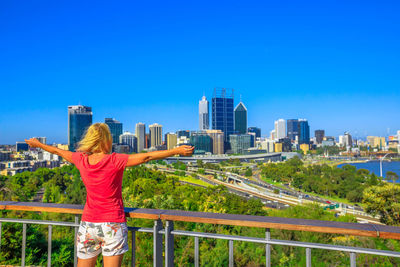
(247,188)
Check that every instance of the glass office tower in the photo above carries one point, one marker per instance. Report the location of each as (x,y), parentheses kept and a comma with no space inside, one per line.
(240,118)
(201,141)
(222,112)
(304,132)
(115,129)
(79,119)
(292,128)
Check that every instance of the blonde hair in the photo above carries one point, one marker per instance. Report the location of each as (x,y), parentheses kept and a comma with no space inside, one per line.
(97,139)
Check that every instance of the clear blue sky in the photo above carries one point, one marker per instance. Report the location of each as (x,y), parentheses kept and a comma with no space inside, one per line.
(336,63)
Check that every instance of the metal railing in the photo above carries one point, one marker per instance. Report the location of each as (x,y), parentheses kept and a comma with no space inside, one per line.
(168,233)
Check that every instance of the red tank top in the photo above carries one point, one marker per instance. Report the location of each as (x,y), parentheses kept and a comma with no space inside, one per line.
(103,182)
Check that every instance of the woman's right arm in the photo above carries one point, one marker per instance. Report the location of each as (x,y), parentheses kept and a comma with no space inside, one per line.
(65,154)
(140,158)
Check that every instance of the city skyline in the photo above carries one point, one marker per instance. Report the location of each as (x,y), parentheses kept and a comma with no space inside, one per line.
(265,132)
(332,63)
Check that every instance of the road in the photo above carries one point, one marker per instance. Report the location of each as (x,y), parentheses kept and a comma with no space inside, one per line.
(248,188)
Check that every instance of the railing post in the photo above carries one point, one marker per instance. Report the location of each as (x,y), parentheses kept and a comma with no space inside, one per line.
(133,260)
(23,244)
(0,235)
(268,248)
(157,244)
(49,246)
(308,257)
(353,261)
(75,240)
(230,253)
(196,251)
(169,244)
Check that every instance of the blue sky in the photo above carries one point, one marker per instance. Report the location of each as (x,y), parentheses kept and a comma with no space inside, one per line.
(335,63)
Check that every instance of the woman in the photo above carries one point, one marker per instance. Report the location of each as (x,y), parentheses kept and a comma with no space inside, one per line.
(103,227)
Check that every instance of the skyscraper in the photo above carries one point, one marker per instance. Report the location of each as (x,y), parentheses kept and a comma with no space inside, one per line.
(280,129)
(319,136)
(222,112)
(79,119)
(292,128)
(42,139)
(204,118)
(115,129)
(304,131)
(217,137)
(129,139)
(240,118)
(255,130)
(172,140)
(181,133)
(140,132)
(155,135)
(240,143)
(201,141)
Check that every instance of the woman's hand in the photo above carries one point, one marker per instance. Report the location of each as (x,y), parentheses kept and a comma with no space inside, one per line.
(184,150)
(33,142)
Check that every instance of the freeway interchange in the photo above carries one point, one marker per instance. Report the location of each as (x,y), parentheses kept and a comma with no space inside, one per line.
(267,193)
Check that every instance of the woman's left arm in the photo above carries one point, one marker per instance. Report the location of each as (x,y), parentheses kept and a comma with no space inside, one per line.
(65,154)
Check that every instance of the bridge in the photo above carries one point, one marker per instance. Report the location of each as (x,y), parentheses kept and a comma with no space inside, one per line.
(163,229)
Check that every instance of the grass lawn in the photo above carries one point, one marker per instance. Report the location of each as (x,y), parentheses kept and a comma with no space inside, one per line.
(193,180)
(333,199)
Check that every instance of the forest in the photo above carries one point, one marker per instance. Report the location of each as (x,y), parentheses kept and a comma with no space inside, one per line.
(145,187)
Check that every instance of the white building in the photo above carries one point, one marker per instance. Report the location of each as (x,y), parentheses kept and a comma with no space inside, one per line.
(155,135)
(204,118)
(140,132)
(129,139)
(280,129)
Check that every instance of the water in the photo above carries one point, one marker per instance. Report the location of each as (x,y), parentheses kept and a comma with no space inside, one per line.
(374,166)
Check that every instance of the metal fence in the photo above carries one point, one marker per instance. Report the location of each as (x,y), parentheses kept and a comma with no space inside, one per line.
(163,236)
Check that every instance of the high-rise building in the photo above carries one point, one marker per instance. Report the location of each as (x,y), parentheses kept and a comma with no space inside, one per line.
(319,136)
(155,135)
(42,139)
(348,140)
(252,139)
(140,132)
(376,141)
(280,129)
(115,129)
(172,140)
(79,119)
(147,141)
(240,118)
(239,143)
(222,112)
(304,132)
(204,117)
(181,133)
(272,135)
(292,129)
(217,137)
(201,141)
(129,139)
(21,146)
(255,130)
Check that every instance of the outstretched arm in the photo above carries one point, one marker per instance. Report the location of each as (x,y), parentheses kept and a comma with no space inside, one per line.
(67,155)
(140,158)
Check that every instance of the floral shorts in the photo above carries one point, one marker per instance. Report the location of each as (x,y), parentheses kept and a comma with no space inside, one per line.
(109,238)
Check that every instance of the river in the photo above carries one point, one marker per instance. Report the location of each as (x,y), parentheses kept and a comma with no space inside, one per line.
(374,166)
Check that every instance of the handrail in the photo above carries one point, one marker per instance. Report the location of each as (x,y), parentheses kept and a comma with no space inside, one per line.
(356,229)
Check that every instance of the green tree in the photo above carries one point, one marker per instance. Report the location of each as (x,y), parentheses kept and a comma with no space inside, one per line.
(248,172)
(383,201)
